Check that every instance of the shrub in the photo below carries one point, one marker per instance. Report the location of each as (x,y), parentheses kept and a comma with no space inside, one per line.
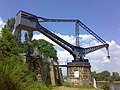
(14,75)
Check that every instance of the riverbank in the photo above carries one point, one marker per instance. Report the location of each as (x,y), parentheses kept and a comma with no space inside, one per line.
(105,84)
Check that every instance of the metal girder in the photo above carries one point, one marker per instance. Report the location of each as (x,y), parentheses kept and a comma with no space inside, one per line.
(41,19)
(77,34)
(94,48)
(91,32)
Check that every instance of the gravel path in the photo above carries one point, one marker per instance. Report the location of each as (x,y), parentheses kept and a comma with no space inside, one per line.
(71,88)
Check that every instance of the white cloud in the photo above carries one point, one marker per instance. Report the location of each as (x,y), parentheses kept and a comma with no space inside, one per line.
(70,39)
(41,36)
(1,24)
(98,59)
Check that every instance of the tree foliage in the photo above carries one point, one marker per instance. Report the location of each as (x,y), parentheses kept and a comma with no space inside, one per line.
(11,23)
(42,45)
(14,74)
(105,76)
(115,76)
(45,47)
(7,43)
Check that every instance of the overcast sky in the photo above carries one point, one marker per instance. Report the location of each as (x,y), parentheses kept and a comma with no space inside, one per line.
(102,16)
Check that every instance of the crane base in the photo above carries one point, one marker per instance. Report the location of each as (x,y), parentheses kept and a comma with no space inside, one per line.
(79,73)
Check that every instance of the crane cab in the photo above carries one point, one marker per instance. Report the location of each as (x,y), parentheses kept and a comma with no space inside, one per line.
(26,21)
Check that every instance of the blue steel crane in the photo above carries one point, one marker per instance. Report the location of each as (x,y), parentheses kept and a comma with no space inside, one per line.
(27,21)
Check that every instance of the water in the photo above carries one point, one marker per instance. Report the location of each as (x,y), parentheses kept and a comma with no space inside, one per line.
(113,86)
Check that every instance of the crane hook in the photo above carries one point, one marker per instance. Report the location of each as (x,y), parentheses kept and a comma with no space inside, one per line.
(108,52)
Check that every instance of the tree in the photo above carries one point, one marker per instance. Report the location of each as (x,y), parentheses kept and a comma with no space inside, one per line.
(7,43)
(10,24)
(14,74)
(102,76)
(45,47)
(115,76)
(106,86)
(105,75)
(27,43)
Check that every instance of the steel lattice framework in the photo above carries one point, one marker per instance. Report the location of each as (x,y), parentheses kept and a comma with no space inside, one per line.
(29,21)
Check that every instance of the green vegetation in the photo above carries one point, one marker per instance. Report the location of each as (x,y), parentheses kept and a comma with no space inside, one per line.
(41,45)
(106,86)
(106,76)
(14,73)
(45,47)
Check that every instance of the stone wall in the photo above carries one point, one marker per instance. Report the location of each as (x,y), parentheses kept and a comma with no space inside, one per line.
(46,71)
(79,73)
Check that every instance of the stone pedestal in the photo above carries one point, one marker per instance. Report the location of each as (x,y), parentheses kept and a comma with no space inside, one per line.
(55,73)
(79,73)
(52,75)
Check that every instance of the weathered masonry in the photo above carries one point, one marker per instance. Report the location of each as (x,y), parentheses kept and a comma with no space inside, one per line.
(79,73)
(46,70)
